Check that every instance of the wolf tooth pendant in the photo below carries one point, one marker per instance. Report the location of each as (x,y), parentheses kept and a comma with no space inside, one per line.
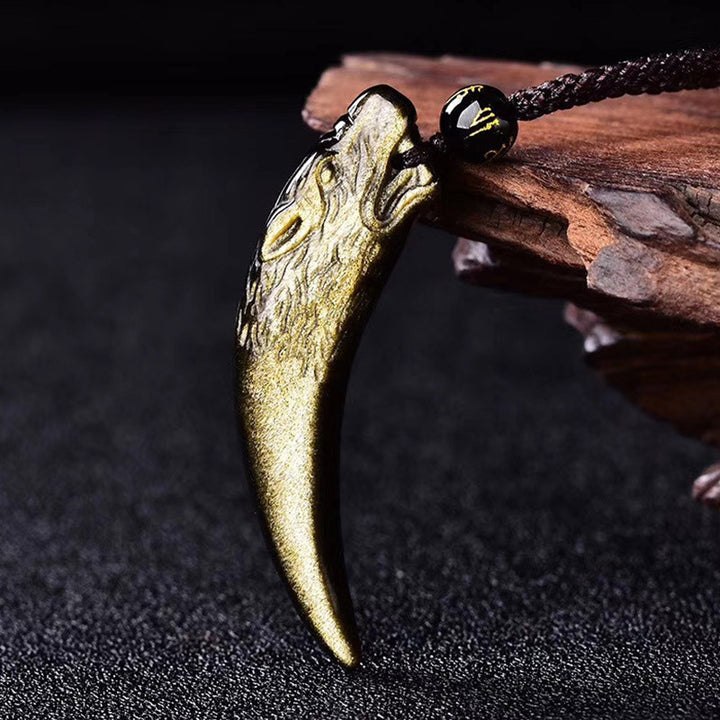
(331,240)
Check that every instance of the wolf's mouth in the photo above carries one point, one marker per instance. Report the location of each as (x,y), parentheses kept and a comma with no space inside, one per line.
(396,185)
(400,185)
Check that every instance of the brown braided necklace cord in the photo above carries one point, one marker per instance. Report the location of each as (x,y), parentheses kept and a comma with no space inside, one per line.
(667,72)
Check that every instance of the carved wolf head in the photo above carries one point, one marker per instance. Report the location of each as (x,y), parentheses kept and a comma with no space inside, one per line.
(350,175)
(337,215)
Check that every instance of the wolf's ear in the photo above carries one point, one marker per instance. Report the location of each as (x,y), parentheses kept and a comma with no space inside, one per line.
(284,232)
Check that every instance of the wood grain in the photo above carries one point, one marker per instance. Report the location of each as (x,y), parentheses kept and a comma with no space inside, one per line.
(614,206)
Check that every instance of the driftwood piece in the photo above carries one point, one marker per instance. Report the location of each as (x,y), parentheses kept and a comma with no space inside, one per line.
(613,206)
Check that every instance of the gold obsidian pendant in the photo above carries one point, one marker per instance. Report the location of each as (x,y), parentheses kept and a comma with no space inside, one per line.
(330,243)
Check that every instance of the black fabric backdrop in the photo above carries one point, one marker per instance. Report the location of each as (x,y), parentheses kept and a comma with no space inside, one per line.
(521,542)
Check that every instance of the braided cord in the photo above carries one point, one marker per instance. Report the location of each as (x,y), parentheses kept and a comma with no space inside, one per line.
(668,72)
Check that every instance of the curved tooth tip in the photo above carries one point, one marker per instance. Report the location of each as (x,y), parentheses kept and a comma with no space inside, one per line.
(321,593)
(303,527)
(343,646)
(336,630)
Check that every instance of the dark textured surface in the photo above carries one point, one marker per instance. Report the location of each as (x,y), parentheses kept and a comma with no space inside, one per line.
(521,543)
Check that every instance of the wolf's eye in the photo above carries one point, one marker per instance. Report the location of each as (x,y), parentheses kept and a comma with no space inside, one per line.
(326,172)
(284,233)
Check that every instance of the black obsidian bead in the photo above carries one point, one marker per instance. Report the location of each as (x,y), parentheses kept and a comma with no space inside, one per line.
(479,123)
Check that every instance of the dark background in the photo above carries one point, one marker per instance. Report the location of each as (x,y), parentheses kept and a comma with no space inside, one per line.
(521,542)
(279,47)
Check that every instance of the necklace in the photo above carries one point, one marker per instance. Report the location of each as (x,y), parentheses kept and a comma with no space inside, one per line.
(331,240)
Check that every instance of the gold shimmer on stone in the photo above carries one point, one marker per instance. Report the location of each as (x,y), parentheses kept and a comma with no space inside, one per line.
(331,240)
